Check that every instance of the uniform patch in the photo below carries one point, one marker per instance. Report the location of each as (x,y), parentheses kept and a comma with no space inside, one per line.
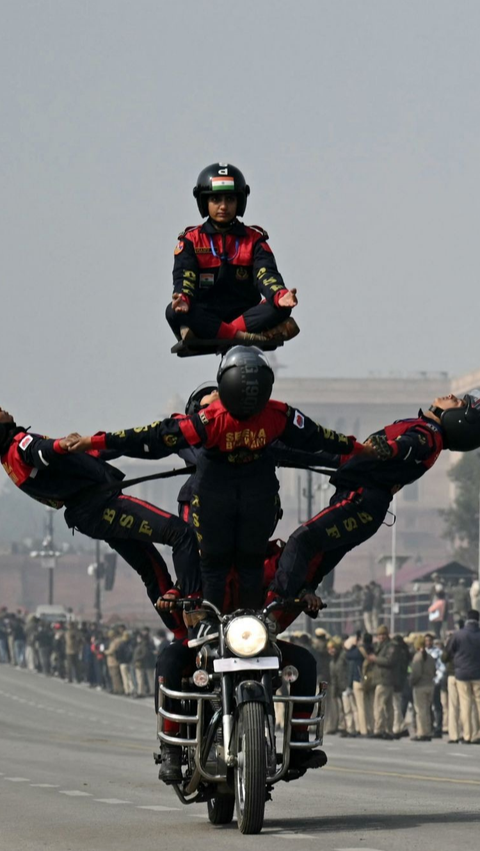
(298,420)
(241,273)
(203,417)
(203,251)
(26,441)
(179,247)
(170,440)
(206,279)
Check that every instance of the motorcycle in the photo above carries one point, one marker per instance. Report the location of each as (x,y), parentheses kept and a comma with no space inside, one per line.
(227,718)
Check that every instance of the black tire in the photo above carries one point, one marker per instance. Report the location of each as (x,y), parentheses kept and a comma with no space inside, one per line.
(220,809)
(251,769)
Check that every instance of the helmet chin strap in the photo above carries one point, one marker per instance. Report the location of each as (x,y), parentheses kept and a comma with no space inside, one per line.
(437,411)
(223,227)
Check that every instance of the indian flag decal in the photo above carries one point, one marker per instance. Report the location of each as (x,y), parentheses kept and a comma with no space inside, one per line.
(223,184)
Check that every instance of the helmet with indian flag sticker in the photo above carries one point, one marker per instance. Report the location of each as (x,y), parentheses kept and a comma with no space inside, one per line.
(221,178)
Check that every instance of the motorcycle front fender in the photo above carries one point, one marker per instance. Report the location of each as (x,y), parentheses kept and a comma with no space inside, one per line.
(249,691)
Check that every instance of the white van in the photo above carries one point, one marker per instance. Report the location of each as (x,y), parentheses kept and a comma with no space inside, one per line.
(53,614)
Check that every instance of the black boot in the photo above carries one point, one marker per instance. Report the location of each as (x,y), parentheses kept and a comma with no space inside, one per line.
(302,759)
(171,766)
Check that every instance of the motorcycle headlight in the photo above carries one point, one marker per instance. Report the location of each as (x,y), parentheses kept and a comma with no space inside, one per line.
(246,636)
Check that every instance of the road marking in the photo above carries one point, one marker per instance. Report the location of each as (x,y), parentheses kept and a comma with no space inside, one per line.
(197,815)
(405,776)
(111,801)
(18,779)
(286,835)
(45,785)
(355,849)
(74,793)
(158,809)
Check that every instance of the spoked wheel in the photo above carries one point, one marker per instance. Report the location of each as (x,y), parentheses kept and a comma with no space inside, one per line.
(251,769)
(220,809)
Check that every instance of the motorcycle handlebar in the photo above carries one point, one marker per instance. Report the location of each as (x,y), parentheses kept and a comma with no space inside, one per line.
(289,603)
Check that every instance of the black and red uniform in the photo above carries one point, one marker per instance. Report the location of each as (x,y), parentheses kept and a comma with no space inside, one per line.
(45,472)
(235,504)
(364,490)
(229,279)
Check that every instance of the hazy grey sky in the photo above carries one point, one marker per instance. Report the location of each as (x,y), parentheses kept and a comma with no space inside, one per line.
(356,123)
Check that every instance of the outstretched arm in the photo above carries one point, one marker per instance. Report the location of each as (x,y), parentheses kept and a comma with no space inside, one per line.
(156,440)
(303,433)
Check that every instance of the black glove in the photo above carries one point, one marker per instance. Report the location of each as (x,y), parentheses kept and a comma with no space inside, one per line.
(381,446)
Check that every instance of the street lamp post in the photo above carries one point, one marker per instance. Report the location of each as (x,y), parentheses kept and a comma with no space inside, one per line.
(394,567)
(48,555)
(98,587)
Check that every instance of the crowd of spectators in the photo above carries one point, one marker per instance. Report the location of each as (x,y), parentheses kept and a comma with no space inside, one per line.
(442,604)
(390,687)
(114,658)
(420,686)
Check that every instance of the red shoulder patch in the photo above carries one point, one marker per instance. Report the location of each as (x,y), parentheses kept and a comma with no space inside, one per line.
(14,466)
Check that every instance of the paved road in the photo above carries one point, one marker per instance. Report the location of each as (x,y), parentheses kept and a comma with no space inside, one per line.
(76,774)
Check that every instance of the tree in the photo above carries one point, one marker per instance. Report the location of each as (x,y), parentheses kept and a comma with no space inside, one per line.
(462,519)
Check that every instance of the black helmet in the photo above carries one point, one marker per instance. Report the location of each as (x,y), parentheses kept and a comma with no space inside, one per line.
(245,380)
(7,433)
(193,405)
(461,426)
(221,177)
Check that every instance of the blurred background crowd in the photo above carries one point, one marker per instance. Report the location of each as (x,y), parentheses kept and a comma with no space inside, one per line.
(114,658)
(389,687)
(422,685)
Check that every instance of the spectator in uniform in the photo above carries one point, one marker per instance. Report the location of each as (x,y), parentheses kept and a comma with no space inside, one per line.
(434,647)
(400,677)
(124,656)
(464,649)
(337,683)
(384,660)
(115,640)
(421,679)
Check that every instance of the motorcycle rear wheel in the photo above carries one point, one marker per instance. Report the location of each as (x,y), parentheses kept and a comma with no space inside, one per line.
(251,769)
(221,809)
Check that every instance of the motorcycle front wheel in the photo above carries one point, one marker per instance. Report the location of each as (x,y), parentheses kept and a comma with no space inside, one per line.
(251,768)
